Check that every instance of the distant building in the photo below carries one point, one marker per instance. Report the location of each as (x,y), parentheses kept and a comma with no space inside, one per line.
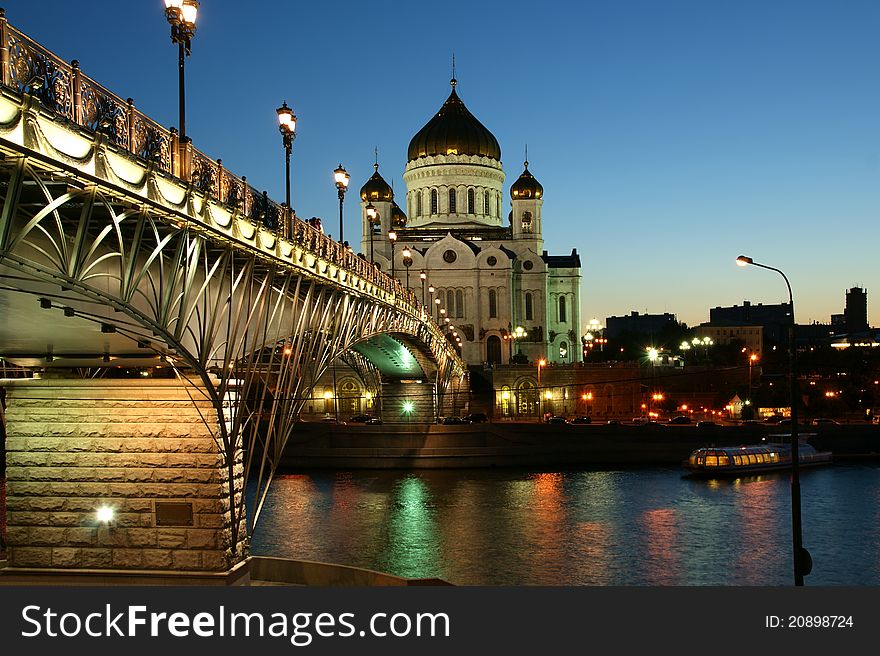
(638,323)
(856,311)
(774,319)
(751,335)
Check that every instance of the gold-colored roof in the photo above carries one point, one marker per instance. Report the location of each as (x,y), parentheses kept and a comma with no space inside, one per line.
(526,187)
(454,131)
(376,189)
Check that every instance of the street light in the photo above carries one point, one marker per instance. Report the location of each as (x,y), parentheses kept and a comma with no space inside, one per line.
(424,278)
(437,303)
(373,220)
(181,14)
(287,127)
(752,359)
(541,363)
(341,177)
(407,262)
(803,563)
(392,237)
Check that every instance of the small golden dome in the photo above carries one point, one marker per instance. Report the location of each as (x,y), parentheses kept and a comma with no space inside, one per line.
(526,187)
(376,189)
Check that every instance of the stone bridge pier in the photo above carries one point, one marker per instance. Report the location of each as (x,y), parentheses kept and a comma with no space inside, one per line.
(121,478)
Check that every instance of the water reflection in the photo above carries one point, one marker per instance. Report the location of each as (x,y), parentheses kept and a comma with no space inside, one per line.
(615,527)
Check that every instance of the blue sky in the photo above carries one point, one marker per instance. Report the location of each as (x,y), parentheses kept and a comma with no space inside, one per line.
(670,137)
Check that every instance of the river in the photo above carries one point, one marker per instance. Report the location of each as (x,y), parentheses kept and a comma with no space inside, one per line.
(578,527)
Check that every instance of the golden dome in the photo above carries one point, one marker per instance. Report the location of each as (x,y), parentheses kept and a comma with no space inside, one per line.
(398,218)
(454,131)
(376,189)
(526,187)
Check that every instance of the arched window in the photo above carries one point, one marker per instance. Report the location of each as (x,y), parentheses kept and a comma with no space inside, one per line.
(486,202)
(459,304)
(450,303)
(452,201)
(493,304)
(498,204)
(562,318)
(419,202)
(529,306)
(563,350)
(433,201)
(527,222)
(471,202)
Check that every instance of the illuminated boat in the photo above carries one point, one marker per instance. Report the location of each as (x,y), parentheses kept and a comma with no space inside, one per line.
(751,459)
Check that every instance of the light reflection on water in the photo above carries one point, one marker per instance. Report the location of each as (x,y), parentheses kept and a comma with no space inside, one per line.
(578,527)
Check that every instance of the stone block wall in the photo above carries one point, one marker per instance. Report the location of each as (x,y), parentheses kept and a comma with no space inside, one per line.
(395,394)
(75,445)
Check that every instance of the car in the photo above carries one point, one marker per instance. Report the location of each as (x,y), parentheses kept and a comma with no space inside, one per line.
(582,420)
(374,421)
(680,419)
(819,421)
(477,418)
(708,424)
(361,419)
(775,419)
(453,421)
(640,421)
(557,420)
(612,422)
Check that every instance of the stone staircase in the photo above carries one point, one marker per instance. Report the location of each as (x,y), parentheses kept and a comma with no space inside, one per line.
(145,448)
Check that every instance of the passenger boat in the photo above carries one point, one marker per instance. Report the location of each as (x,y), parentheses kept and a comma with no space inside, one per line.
(751,459)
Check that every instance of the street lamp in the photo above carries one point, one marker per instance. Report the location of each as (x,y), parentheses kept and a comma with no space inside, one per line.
(373,220)
(181,14)
(424,278)
(341,177)
(287,127)
(541,363)
(803,563)
(407,262)
(437,303)
(752,359)
(392,237)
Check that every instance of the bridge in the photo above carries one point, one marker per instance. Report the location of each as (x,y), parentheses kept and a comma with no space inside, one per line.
(166,324)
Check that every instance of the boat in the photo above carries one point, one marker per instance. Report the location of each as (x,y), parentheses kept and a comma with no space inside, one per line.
(752,459)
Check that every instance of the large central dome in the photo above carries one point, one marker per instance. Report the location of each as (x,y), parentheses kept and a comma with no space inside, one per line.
(454,131)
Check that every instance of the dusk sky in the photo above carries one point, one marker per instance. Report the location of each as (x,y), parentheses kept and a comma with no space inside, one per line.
(670,137)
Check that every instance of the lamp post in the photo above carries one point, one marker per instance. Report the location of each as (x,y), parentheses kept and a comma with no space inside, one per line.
(803,563)
(341,177)
(181,14)
(372,219)
(287,127)
(407,262)
(437,304)
(541,363)
(424,278)
(392,237)
(752,358)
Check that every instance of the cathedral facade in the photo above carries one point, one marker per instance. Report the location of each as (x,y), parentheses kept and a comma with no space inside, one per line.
(504,297)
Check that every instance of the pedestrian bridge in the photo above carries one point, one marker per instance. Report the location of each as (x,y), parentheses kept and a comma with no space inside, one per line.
(123,248)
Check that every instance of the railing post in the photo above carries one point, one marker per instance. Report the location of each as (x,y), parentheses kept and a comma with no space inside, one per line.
(132,144)
(175,154)
(185,160)
(77,93)
(219,192)
(4,49)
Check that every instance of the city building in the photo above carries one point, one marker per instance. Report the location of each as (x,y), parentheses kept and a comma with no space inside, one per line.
(750,335)
(774,319)
(638,323)
(489,275)
(856,311)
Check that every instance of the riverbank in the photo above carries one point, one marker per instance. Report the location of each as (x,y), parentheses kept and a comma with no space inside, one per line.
(334,446)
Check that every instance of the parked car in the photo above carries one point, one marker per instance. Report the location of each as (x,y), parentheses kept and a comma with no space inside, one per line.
(612,422)
(453,421)
(361,419)
(374,421)
(557,420)
(820,421)
(640,421)
(582,420)
(680,419)
(708,424)
(477,418)
(775,419)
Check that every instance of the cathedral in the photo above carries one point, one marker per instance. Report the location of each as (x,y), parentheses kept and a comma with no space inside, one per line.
(505,298)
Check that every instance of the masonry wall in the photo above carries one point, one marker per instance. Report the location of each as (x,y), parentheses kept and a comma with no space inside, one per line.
(75,445)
